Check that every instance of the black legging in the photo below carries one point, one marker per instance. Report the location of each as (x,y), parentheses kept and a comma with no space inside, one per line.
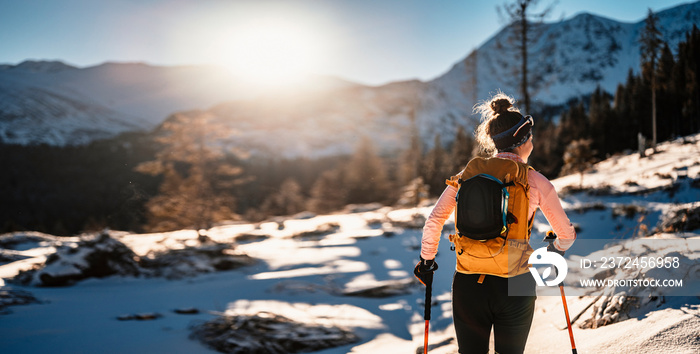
(477,307)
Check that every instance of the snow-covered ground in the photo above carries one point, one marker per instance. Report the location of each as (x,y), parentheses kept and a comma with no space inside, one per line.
(354,271)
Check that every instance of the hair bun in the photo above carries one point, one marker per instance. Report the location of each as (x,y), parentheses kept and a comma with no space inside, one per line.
(501,105)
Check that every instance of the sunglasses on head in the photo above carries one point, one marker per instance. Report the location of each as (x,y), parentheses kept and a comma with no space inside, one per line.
(527,119)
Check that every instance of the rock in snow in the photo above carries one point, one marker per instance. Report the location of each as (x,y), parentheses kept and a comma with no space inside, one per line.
(100,255)
(92,257)
(268,333)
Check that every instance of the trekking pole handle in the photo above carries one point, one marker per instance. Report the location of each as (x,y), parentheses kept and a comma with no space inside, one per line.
(550,237)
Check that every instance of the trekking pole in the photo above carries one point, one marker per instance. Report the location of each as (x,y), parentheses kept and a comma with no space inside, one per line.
(426,315)
(551,236)
(425,276)
(568,322)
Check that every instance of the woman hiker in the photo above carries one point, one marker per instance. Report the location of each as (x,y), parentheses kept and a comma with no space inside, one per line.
(486,268)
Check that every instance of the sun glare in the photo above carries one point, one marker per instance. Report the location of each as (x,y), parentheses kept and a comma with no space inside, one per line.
(270,54)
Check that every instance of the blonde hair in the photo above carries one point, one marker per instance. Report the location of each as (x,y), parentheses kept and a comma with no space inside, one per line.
(497,115)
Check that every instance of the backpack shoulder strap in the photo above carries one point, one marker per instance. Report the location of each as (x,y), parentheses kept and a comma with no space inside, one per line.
(453,181)
(508,171)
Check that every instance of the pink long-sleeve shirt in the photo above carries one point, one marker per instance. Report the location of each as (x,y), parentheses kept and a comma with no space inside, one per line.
(542,196)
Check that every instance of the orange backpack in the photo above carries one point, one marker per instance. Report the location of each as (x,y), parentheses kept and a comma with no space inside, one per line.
(506,253)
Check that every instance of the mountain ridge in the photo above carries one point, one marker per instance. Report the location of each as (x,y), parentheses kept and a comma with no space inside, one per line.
(569,59)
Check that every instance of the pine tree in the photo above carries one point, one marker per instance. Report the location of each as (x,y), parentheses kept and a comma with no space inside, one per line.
(196,178)
(664,69)
(578,158)
(601,121)
(545,157)
(631,109)
(640,106)
(667,101)
(574,124)
(690,53)
(410,160)
(680,83)
(365,176)
(462,150)
(437,167)
(651,44)
(414,193)
(287,200)
(328,192)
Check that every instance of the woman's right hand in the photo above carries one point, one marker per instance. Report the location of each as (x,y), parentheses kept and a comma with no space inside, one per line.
(424,270)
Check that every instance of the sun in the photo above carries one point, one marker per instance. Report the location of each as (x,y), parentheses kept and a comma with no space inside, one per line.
(271,54)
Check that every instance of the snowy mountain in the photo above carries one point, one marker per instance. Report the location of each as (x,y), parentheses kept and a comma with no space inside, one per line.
(324,124)
(57,104)
(54,103)
(344,281)
(568,59)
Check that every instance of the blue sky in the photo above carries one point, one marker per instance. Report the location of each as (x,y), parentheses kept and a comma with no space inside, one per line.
(367,41)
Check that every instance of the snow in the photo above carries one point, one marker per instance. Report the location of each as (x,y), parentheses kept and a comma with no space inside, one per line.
(354,271)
